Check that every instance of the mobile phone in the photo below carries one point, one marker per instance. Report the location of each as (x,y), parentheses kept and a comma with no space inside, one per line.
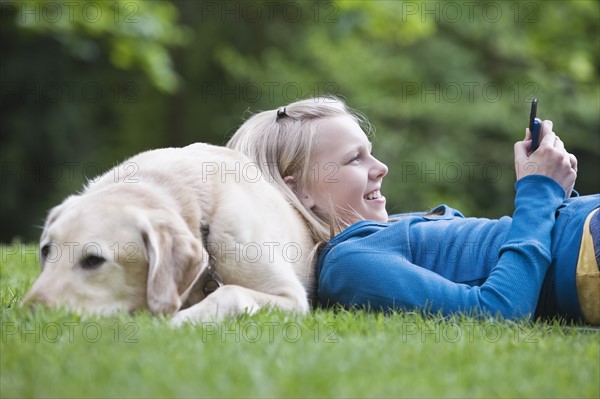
(535,126)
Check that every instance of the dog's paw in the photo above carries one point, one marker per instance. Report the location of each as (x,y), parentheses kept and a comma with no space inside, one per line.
(197,314)
(227,301)
(181,318)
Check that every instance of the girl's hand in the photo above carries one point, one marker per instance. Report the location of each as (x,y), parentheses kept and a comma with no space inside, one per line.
(550,159)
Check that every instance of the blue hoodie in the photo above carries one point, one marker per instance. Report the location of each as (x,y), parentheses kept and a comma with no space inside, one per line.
(515,267)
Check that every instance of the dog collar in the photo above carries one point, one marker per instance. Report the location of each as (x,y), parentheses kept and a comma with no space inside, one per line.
(213,280)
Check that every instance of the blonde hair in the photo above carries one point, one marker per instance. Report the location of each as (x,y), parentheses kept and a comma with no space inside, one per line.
(281,142)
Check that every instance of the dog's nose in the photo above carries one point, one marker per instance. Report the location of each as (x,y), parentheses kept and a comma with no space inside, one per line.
(33,299)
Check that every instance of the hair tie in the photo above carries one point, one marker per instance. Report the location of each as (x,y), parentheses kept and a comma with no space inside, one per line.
(281,113)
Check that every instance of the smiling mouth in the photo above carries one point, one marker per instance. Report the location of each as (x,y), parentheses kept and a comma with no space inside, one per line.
(373,195)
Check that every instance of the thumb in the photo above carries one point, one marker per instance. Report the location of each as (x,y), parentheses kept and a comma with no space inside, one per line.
(523,164)
(522,148)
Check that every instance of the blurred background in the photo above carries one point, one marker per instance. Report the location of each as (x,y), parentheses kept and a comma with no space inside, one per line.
(446,85)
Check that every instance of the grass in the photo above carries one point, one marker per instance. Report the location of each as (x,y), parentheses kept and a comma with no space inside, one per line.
(54,353)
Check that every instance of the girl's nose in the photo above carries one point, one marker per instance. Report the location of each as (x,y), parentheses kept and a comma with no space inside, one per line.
(379,170)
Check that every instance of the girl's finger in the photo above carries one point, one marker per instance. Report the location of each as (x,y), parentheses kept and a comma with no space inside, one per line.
(548,136)
(573,161)
(559,145)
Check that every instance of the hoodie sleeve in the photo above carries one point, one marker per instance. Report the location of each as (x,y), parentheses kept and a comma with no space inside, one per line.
(376,276)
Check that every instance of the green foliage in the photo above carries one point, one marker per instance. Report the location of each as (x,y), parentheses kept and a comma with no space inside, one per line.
(136,33)
(54,353)
(447,85)
(448,88)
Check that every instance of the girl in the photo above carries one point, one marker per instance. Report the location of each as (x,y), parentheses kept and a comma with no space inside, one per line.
(542,262)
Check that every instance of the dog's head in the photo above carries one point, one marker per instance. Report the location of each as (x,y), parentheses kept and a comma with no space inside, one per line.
(101,253)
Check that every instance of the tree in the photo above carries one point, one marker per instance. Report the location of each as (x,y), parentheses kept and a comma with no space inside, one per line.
(446,85)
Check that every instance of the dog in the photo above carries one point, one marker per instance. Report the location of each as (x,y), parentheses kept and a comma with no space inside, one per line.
(165,229)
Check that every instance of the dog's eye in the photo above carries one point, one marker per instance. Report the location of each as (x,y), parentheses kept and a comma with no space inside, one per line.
(92,261)
(45,251)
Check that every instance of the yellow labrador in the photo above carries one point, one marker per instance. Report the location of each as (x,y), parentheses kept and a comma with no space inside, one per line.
(161,228)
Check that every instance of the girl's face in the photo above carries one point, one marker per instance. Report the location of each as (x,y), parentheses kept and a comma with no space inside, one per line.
(344,173)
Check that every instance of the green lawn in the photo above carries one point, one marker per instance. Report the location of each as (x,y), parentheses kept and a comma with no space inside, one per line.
(54,353)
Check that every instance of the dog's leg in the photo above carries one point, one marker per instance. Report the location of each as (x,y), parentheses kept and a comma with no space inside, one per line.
(232,300)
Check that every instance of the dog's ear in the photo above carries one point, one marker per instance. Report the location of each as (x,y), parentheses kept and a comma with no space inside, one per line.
(54,213)
(175,259)
(162,293)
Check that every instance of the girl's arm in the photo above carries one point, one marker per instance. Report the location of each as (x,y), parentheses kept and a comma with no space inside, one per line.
(381,279)
(359,275)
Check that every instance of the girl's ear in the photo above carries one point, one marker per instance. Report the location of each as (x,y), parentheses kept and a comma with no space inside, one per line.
(306,199)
